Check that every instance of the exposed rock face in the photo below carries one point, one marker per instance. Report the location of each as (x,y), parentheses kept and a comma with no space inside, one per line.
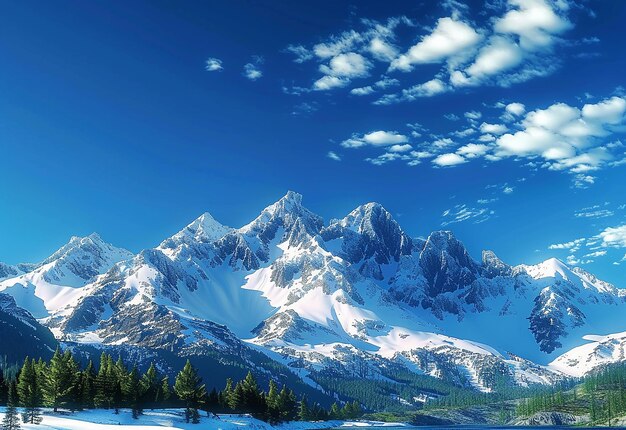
(550,419)
(352,297)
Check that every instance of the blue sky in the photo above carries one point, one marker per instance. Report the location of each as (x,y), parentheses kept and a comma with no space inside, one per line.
(502,121)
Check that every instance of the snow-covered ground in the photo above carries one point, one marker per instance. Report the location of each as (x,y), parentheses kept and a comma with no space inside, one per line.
(173,419)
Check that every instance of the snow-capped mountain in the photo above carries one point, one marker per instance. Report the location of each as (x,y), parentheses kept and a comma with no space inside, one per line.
(51,286)
(356,296)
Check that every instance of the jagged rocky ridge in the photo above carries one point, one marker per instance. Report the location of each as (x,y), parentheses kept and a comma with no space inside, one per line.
(356,293)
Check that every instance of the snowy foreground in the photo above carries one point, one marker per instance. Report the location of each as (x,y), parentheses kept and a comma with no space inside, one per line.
(172,419)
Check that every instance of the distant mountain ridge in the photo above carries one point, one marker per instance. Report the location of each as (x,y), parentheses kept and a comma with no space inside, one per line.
(356,296)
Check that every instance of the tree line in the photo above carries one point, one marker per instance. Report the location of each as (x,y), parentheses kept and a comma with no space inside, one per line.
(62,383)
(601,395)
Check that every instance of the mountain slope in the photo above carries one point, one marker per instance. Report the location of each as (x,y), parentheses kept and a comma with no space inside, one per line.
(21,334)
(49,287)
(352,298)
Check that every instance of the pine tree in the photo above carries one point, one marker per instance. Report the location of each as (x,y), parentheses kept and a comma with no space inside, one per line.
(119,377)
(235,401)
(226,394)
(304,414)
(252,401)
(60,379)
(4,389)
(104,383)
(133,394)
(189,388)
(29,391)
(11,419)
(166,393)
(335,412)
(87,386)
(273,404)
(151,386)
(287,404)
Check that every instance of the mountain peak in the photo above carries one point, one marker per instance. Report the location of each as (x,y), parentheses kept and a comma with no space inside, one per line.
(290,202)
(286,211)
(206,228)
(550,268)
(364,217)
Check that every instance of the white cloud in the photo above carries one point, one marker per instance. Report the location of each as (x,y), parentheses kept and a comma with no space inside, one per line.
(301,53)
(516,109)
(449,37)
(333,156)
(213,65)
(427,89)
(473,115)
(329,82)
(375,138)
(362,91)
(382,50)
(460,213)
(350,65)
(499,55)
(614,237)
(472,150)
(400,148)
(252,71)
(574,244)
(508,190)
(496,129)
(378,138)
(534,21)
(593,212)
(568,138)
(449,159)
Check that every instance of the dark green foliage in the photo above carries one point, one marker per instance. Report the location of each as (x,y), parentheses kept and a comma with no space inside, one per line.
(60,379)
(11,419)
(29,392)
(602,395)
(62,383)
(190,390)
(133,393)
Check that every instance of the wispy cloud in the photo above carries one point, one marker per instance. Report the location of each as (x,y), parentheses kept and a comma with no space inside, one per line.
(252,70)
(213,65)
(462,212)
(333,156)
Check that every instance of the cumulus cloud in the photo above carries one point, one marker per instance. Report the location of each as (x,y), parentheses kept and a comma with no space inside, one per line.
(515,44)
(351,54)
(559,137)
(375,138)
(535,22)
(350,65)
(449,38)
(614,237)
(472,150)
(329,82)
(449,159)
(566,137)
(516,109)
(496,129)
(213,65)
